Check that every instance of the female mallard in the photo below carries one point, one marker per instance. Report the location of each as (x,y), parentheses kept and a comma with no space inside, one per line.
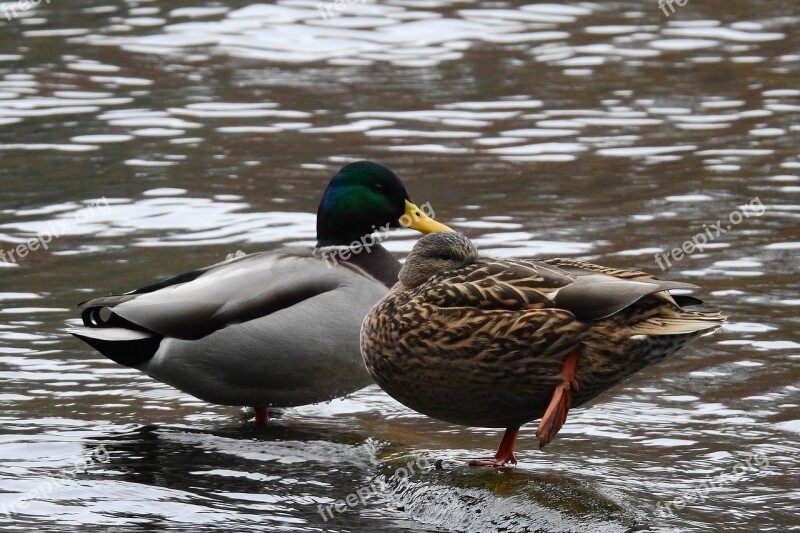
(272,328)
(497,343)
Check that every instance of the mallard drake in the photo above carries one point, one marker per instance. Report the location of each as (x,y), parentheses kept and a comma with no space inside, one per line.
(500,342)
(275,328)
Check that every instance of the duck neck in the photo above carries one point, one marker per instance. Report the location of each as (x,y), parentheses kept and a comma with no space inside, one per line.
(375,260)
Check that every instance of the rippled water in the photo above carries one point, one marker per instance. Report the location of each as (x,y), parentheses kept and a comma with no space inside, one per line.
(154,139)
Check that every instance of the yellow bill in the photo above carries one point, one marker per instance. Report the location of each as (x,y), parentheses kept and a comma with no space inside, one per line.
(415,218)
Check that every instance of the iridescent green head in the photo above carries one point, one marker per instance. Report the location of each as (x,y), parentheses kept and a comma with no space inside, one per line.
(362,198)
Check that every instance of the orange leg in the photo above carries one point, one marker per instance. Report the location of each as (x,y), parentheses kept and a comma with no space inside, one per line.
(262,415)
(556,413)
(505,452)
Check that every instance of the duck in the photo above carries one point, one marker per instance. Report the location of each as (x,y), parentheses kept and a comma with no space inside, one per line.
(270,329)
(486,342)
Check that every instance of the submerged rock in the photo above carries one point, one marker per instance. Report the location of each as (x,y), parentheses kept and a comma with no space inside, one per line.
(458,497)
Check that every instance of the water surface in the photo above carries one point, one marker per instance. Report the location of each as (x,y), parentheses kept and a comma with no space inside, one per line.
(154,138)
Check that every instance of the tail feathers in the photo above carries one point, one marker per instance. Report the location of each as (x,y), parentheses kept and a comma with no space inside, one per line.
(110,334)
(684,300)
(677,325)
(107,301)
(124,346)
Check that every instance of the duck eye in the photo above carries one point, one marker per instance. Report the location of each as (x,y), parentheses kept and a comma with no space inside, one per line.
(378,187)
(445,256)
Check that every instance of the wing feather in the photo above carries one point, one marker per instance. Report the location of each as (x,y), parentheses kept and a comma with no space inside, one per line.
(231,292)
(512,285)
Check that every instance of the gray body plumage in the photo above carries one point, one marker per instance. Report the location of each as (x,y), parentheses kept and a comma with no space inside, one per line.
(274,329)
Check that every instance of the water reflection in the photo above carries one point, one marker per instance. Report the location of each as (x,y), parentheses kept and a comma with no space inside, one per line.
(593,130)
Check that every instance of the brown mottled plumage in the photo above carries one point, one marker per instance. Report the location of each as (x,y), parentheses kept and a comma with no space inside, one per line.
(500,342)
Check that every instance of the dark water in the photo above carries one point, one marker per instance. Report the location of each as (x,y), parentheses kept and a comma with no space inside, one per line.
(606,131)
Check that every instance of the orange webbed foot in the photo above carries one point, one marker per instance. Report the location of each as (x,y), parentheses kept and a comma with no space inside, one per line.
(505,452)
(556,413)
(262,415)
(497,462)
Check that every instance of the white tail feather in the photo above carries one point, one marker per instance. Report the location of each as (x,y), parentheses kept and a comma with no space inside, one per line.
(110,334)
(668,325)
